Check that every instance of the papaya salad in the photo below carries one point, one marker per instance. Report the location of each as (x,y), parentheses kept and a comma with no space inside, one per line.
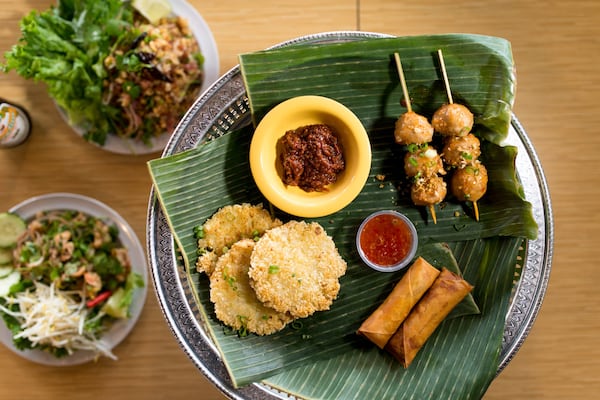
(65,279)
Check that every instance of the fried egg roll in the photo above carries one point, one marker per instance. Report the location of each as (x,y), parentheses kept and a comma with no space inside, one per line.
(385,320)
(446,292)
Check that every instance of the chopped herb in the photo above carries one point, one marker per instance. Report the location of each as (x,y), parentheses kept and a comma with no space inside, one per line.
(230,281)
(243,330)
(132,89)
(273,269)
(199,232)
(412,147)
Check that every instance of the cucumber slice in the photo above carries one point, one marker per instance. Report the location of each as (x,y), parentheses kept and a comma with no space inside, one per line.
(5,270)
(8,281)
(11,227)
(6,255)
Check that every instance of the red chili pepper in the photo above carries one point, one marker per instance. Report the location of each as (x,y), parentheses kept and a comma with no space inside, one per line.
(98,299)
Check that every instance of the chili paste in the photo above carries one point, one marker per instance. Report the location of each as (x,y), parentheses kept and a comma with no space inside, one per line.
(311,157)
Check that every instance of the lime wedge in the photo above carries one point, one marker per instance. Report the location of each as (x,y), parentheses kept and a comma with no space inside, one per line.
(153,10)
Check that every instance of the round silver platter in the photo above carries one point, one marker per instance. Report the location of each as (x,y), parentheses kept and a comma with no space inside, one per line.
(223,108)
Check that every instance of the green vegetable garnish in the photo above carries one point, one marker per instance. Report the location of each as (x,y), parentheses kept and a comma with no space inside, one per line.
(118,303)
(273,269)
(199,232)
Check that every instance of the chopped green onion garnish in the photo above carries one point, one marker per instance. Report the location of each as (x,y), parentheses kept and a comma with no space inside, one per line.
(199,232)
(273,269)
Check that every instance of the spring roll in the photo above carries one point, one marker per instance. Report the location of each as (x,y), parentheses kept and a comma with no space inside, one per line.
(446,292)
(385,320)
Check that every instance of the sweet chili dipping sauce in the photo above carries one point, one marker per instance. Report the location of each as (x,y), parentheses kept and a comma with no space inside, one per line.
(387,240)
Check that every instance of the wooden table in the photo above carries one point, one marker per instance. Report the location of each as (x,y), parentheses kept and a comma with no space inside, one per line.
(557,53)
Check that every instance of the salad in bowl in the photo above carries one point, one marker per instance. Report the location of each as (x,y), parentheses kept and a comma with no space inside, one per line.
(66,280)
(121,77)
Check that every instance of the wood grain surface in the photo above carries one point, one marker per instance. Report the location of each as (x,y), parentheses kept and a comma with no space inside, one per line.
(557,53)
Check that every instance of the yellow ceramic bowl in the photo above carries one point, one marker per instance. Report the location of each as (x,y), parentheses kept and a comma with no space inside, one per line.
(266,167)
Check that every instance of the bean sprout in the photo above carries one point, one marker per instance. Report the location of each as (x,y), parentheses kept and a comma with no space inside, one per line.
(52,317)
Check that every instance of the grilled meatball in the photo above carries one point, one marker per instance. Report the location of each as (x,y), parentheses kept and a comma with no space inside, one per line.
(469,183)
(452,120)
(412,128)
(424,161)
(428,190)
(460,151)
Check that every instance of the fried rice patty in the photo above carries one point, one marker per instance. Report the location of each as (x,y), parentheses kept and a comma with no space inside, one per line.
(235,302)
(228,225)
(294,269)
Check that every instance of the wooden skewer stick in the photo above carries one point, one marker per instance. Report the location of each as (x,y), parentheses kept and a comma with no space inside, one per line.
(445,76)
(449,93)
(403,81)
(432,211)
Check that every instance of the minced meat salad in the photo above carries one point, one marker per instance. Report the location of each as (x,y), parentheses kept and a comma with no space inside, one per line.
(155,79)
(311,157)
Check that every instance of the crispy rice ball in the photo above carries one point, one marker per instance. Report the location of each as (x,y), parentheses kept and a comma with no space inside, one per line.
(235,302)
(295,269)
(228,225)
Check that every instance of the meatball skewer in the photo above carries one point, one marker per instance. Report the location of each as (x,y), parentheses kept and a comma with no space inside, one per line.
(461,150)
(451,119)
(410,128)
(423,163)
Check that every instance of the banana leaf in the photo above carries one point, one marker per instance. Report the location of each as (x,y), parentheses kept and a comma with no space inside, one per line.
(193,184)
(461,356)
